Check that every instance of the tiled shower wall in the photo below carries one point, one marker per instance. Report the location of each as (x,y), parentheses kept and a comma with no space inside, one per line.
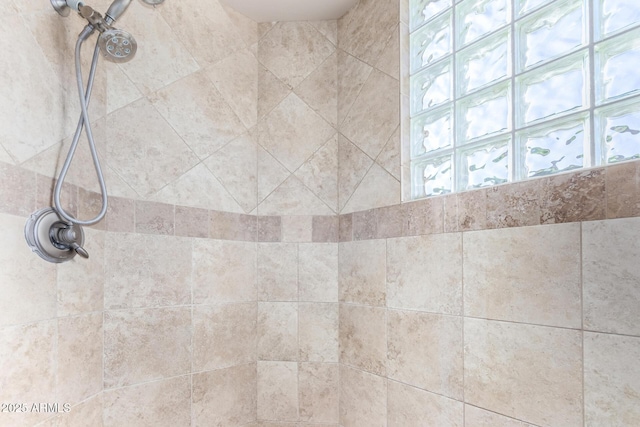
(512,306)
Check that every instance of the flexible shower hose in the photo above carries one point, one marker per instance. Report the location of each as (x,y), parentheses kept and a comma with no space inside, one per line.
(85,123)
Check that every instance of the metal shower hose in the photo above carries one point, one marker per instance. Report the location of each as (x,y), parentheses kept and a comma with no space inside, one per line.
(83,122)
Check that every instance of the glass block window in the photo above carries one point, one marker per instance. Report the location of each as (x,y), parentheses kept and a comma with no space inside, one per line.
(506,90)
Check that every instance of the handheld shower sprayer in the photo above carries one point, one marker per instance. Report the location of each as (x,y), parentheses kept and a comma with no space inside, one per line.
(52,233)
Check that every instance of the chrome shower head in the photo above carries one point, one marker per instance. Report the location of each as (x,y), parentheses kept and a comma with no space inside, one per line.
(117,45)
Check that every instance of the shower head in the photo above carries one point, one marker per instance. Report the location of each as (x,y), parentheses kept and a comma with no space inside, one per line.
(116,10)
(117,45)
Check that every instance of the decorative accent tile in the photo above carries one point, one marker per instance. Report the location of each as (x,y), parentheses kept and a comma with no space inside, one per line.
(325,229)
(192,222)
(297,228)
(573,197)
(155,218)
(121,215)
(346,228)
(623,190)
(365,225)
(269,229)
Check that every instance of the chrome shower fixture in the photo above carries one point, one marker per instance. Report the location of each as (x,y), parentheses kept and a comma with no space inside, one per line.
(152,2)
(116,45)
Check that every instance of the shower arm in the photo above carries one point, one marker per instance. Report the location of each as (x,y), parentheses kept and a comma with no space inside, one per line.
(83,122)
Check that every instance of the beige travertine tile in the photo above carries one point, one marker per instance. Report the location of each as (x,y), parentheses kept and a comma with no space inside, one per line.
(365,225)
(271,91)
(345,228)
(158,403)
(375,114)
(326,228)
(199,188)
(363,338)
(390,221)
(518,204)
(225,397)
(362,272)
(241,183)
(81,281)
(377,189)
(86,413)
(161,156)
(389,60)
(191,222)
(292,132)
(389,157)
(27,357)
(278,331)
(198,113)
(120,90)
(318,272)
(476,417)
(293,50)
(277,272)
(278,391)
(611,380)
(233,226)
(224,335)
(27,282)
(525,274)
(472,210)
(210,35)
(320,90)
(120,215)
(149,71)
(154,218)
(139,277)
(236,77)
(425,273)
(320,173)
(270,174)
(79,345)
(353,165)
(293,198)
(622,188)
(363,399)
(246,28)
(409,406)
(573,197)
(269,229)
(426,350)
(297,228)
(329,29)
(318,332)
(33,113)
(368,28)
(611,272)
(352,74)
(224,272)
(540,368)
(145,345)
(424,217)
(319,388)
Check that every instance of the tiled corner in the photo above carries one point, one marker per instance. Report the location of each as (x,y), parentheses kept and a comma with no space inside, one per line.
(363,398)
(410,406)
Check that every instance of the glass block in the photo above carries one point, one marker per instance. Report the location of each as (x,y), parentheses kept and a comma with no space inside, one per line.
(615,15)
(551,32)
(475,18)
(431,131)
(433,177)
(617,62)
(553,89)
(423,10)
(485,165)
(431,42)
(430,87)
(484,113)
(618,127)
(554,147)
(525,6)
(483,63)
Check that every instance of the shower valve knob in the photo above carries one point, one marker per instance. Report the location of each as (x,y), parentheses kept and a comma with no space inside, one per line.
(80,250)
